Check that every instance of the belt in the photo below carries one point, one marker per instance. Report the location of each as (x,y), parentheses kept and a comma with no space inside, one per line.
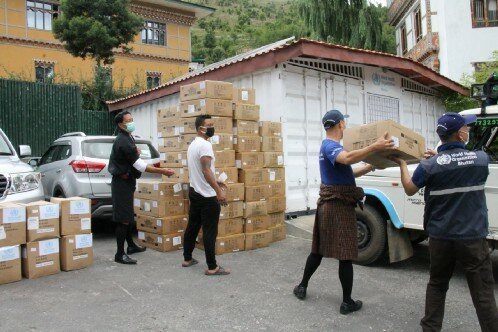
(124,176)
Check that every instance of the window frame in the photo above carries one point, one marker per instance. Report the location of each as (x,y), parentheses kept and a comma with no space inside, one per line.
(45,66)
(404,39)
(47,14)
(54,149)
(485,21)
(417,23)
(152,27)
(152,76)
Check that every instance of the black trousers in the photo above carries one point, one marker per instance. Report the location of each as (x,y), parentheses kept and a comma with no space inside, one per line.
(474,258)
(204,212)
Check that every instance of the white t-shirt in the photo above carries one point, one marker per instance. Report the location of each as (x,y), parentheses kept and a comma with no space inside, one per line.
(197,149)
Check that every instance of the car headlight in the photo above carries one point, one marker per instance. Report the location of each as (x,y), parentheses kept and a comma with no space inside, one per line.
(21,182)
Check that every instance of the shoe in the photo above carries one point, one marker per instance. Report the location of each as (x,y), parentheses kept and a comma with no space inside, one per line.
(134,249)
(300,292)
(124,259)
(347,308)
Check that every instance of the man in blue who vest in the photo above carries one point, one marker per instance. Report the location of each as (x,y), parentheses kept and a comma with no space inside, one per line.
(456,219)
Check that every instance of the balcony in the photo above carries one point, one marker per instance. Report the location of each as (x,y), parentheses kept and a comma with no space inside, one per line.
(397,10)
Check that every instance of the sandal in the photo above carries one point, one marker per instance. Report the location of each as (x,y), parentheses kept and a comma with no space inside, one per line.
(220,272)
(193,261)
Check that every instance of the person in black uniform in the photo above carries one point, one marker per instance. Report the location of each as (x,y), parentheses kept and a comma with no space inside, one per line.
(126,167)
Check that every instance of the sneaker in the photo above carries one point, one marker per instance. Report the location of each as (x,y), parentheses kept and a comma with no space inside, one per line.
(347,308)
(300,292)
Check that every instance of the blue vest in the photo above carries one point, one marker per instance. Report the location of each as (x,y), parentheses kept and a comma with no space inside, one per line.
(455,202)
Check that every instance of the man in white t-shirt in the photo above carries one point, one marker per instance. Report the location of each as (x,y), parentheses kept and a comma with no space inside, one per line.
(206,195)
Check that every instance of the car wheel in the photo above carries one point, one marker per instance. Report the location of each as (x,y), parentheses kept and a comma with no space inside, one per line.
(371,235)
(59,193)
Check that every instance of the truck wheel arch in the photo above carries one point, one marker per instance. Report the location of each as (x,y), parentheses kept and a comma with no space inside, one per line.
(383,205)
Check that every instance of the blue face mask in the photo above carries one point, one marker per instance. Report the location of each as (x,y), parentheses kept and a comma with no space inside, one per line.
(130,127)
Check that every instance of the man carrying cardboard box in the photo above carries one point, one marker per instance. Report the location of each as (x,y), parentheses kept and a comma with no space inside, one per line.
(126,167)
(335,230)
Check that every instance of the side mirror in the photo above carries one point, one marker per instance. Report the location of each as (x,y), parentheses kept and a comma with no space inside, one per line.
(24,151)
(34,163)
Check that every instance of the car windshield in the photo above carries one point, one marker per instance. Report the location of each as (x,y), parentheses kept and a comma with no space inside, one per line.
(102,150)
(483,136)
(4,147)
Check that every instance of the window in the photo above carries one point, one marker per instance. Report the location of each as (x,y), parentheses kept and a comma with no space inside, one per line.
(382,108)
(153,79)
(404,45)
(484,13)
(418,24)
(101,149)
(154,33)
(44,71)
(65,152)
(41,14)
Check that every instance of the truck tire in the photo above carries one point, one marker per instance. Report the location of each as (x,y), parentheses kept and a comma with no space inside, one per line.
(371,235)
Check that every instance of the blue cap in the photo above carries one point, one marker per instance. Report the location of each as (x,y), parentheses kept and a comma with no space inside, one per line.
(331,118)
(450,123)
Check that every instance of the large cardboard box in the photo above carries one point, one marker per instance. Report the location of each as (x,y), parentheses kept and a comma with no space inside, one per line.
(269,128)
(256,176)
(224,158)
(231,173)
(187,125)
(173,206)
(276,174)
(177,143)
(162,243)
(41,258)
(227,244)
(206,89)
(245,128)
(232,210)
(222,125)
(272,144)
(167,113)
(276,204)
(42,221)
(246,112)
(253,209)
(244,95)
(273,159)
(76,215)
(170,128)
(228,227)
(181,175)
(157,190)
(256,193)
(276,188)
(10,264)
(279,233)
(276,219)
(213,107)
(76,251)
(12,224)
(256,224)
(164,225)
(247,143)
(410,146)
(234,192)
(222,142)
(258,240)
(173,159)
(246,160)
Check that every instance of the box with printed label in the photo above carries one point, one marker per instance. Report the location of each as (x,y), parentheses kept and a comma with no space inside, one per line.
(187,125)
(273,159)
(169,129)
(277,218)
(172,206)
(177,143)
(213,107)
(42,221)
(275,174)
(232,210)
(276,204)
(255,176)
(247,143)
(167,113)
(164,225)
(227,244)
(157,190)
(162,243)
(276,189)
(173,159)
(246,160)
(228,227)
(12,224)
(76,251)
(253,209)
(222,142)
(258,240)
(10,264)
(76,215)
(222,125)
(206,89)
(256,193)
(410,145)
(40,258)
(234,192)
(256,224)
(246,112)
(244,95)
(181,175)
(225,158)
(231,173)
(279,233)
(270,128)
(272,144)
(245,128)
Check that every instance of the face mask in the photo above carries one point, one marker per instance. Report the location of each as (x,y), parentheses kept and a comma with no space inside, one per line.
(130,127)
(209,131)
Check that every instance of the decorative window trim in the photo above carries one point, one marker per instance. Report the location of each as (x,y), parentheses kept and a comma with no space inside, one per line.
(157,14)
(153,76)
(162,27)
(45,65)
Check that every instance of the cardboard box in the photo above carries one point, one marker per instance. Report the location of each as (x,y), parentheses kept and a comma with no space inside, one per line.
(213,107)
(269,128)
(164,225)
(181,175)
(227,244)
(222,125)
(246,112)
(173,159)
(253,209)
(12,224)
(256,193)
(162,243)
(42,221)
(275,174)
(169,129)
(410,146)
(224,159)
(76,251)
(231,173)
(40,258)
(244,95)
(228,227)
(157,190)
(245,128)
(206,89)
(10,264)
(272,143)
(177,143)
(278,233)
(187,125)
(256,224)
(273,159)
(247,160)
(167,113)
(276,219)
(247,143)
(258,240)
(162,208)
(235,192)
(276,189)
(276,204)
(76,215)
(232,210)
(256,176)
(222,142)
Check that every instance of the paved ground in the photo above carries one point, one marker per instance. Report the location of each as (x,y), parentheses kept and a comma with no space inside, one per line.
(159,295)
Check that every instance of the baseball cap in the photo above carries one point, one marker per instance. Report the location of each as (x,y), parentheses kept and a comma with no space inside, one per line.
(450,123)
(331,118)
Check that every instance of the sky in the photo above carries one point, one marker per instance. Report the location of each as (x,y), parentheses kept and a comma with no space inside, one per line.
(382,2)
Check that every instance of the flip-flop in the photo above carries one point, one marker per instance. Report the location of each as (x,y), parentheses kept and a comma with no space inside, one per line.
(220,272)
(193,261)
